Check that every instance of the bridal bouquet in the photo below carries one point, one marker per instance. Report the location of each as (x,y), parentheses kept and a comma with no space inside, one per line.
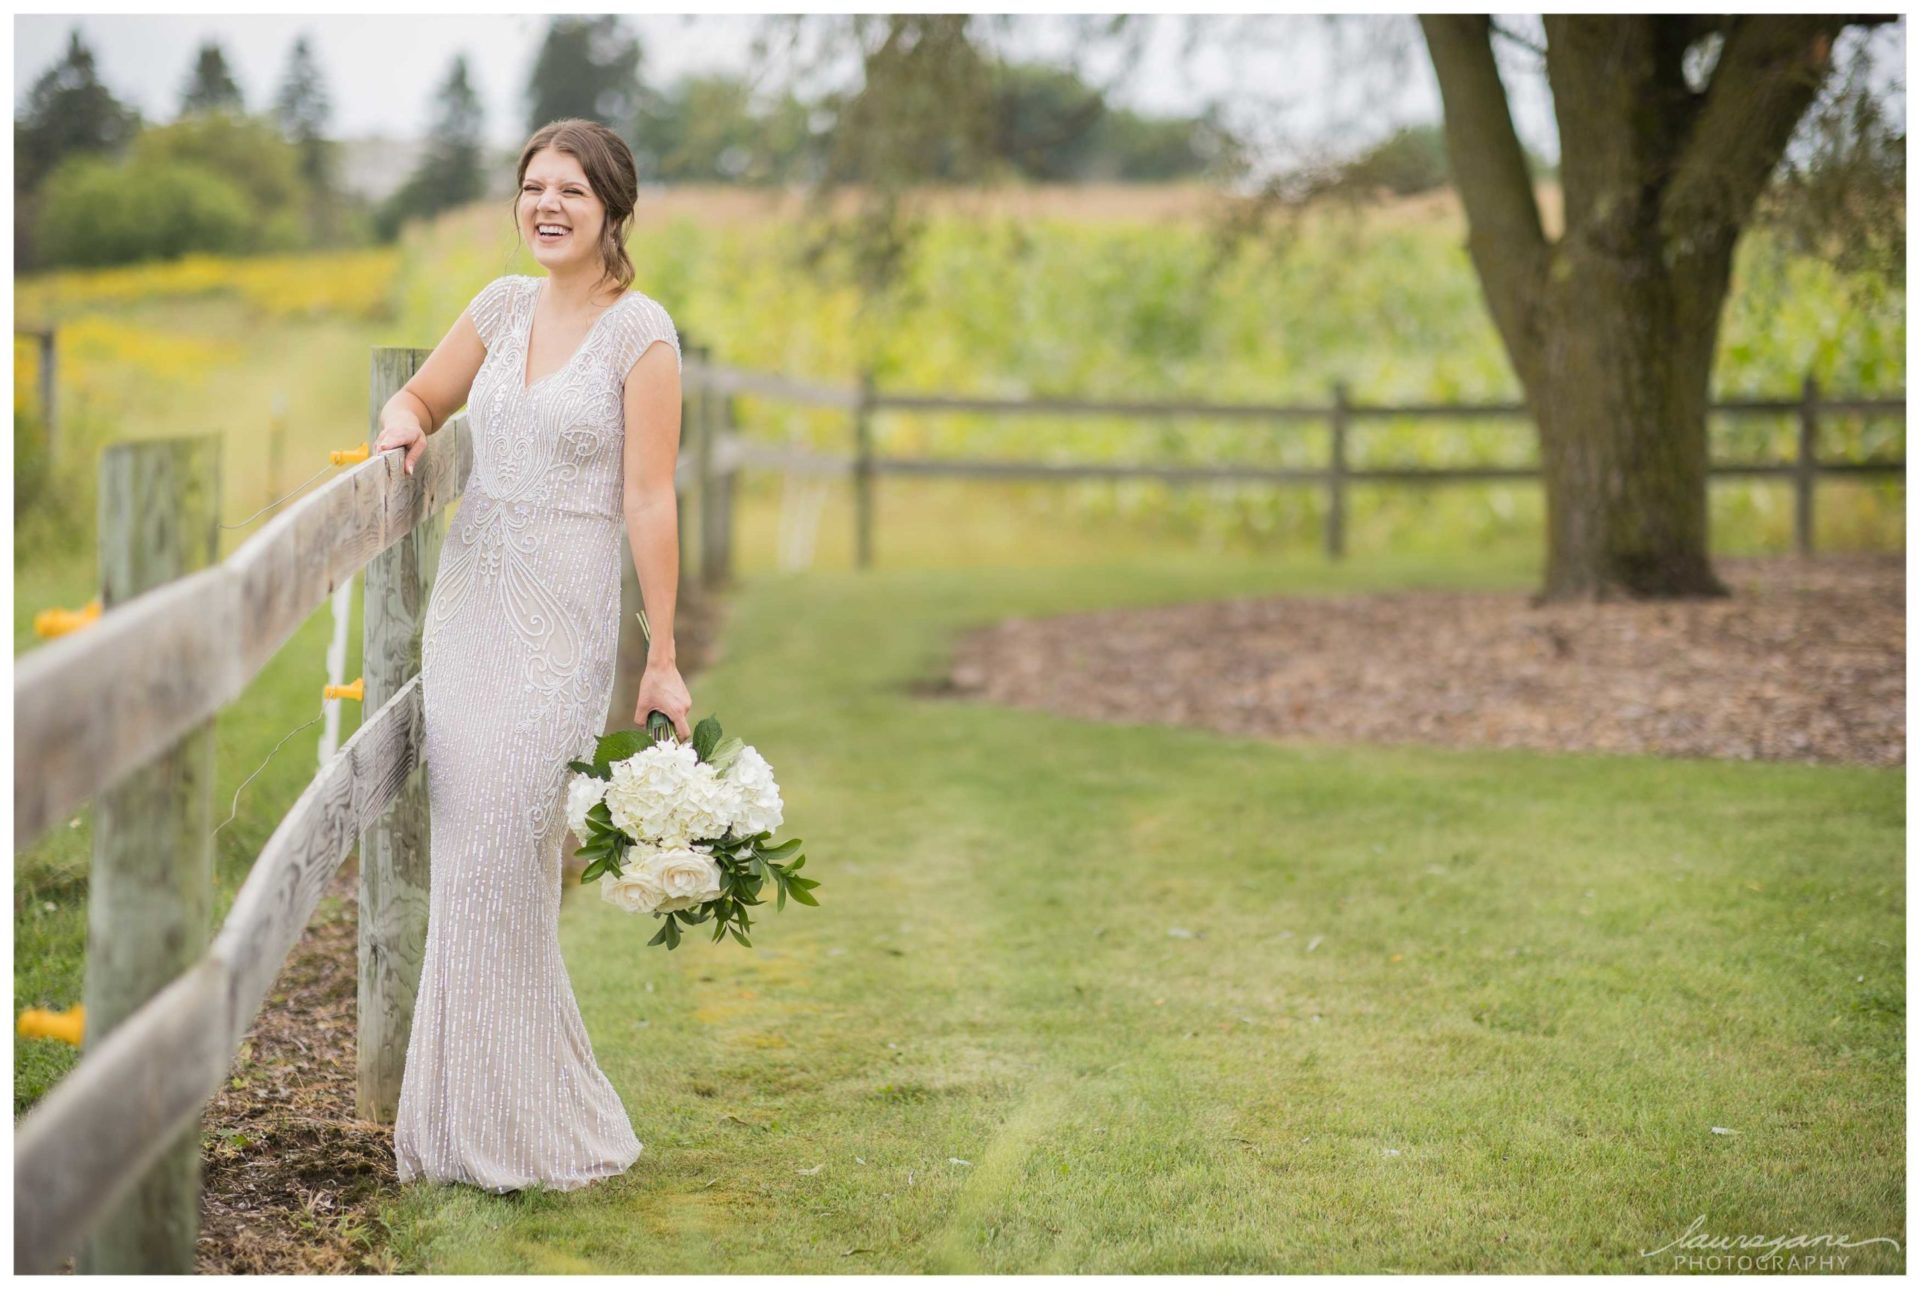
(681,830)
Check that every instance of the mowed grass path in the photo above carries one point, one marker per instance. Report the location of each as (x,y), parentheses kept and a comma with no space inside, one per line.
(1439,1010)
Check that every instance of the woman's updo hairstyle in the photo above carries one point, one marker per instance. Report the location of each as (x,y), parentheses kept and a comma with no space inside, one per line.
(611,172)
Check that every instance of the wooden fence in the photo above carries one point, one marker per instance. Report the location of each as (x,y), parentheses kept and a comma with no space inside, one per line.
(120,713)
(862,464)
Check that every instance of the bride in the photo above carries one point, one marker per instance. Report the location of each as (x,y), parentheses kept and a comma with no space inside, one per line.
(572,383)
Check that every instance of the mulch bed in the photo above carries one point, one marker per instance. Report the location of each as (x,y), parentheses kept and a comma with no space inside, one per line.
(1806,661)
(292,1180)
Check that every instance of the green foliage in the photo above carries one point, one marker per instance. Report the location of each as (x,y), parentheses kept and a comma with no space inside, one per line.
(247,151)
(96,213)
(1408,161)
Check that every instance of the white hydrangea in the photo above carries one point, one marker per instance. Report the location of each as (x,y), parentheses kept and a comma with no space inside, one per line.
(583,794)
(666,795)
(756,805)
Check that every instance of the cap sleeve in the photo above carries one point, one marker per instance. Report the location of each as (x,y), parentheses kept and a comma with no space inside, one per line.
(639,325)
(490,308)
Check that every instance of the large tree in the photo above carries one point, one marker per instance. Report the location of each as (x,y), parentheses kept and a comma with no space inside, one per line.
(301,108)
(451,169)
(210,85)
(1670,128)
(587,67)
(67,110)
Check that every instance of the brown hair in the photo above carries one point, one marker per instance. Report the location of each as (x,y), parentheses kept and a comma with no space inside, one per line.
(611,173)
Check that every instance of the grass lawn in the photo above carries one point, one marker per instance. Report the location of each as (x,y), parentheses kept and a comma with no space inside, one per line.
(1188,1003)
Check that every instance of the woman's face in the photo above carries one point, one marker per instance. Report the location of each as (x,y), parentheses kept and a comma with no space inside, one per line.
(555,194)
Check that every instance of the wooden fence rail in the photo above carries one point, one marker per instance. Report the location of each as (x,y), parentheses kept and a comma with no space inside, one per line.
(100,708)
(862,463)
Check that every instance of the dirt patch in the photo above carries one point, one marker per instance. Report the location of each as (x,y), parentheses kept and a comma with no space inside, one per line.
(1805,662)
(292,1179)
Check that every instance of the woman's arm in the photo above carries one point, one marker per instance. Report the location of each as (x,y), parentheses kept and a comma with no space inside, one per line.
(652,448)
(434,392)
(441,386)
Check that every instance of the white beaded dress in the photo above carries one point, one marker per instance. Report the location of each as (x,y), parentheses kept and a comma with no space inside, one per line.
(501,1090)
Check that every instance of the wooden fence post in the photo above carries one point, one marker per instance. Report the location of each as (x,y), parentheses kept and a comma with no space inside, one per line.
(1806,460)
(277,445)
(709,504)
(48,386)
(150,890)
(692,400)
(394,851)
(1337,476)
(723,493)
(863,473)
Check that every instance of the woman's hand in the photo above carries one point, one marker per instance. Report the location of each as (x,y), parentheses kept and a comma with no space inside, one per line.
(403,434)
(662,690)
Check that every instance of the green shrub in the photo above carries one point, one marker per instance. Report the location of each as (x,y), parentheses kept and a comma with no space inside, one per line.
(97,213)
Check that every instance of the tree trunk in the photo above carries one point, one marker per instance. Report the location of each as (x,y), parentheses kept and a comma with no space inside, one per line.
(1619,392)
(1612,327)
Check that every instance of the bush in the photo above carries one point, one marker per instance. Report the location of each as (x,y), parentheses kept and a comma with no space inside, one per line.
(96,213)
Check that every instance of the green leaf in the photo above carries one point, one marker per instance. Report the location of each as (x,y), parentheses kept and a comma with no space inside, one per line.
(617,746)
(660,936)
(728,752)
(706,737)
(802,896)
(743,939)
(781,851)
(585,767)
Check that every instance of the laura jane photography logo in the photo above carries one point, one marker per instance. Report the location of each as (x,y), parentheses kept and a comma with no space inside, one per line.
(1697,1249)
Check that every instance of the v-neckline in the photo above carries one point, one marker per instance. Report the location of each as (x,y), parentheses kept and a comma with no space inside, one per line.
(526,339)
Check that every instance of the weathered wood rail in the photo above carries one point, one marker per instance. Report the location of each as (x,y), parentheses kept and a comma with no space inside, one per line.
(862,464)
(98,709)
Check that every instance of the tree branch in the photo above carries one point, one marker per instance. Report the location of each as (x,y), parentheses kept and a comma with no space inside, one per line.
(1505,238)
(1768,75)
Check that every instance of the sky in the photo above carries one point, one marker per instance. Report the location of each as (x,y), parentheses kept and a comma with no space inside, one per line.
(1303,86)
(381,71)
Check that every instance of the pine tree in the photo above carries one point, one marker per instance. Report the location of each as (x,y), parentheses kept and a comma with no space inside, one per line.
(68,110)
(301,108)
(210,86)
(451,172)
(588,67)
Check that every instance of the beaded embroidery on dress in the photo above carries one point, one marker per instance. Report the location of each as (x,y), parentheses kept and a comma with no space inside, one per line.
(501,1089)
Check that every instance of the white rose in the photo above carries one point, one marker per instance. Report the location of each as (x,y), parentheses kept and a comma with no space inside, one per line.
(633,891)
(756,805)
(686,876)
(583,794)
